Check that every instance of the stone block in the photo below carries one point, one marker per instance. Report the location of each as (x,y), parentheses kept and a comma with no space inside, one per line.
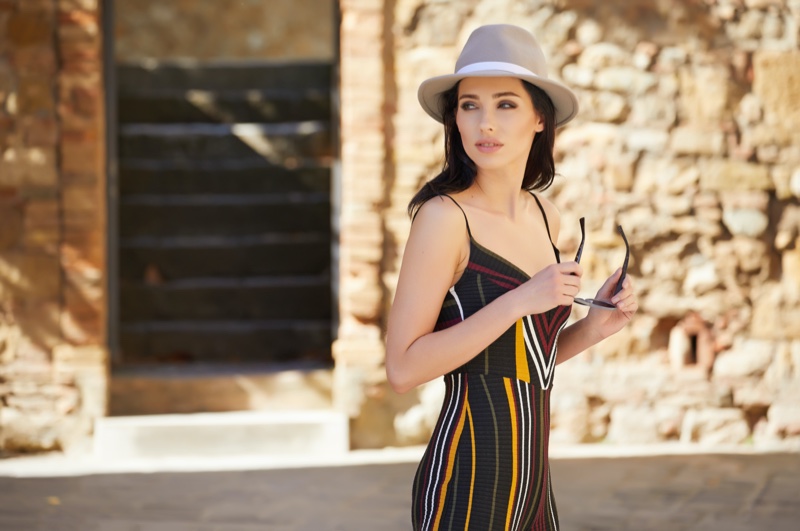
(696,141)
(36,95)
(625,79)
(10,336)
(696,83)
(39,322)
(653,110)
(11,223)
(790,267)
(28,167)
(29,274)
(715,426)
(42,223)
(631,424)
(30,28)
(24,432)
(776,82)
(775,314)
(745,222)
(722,175)
(38,131)
(784,414)
(74,5)
(569,418)
(81,157)
(79,358)
(603,55)
(747,358)
(701,276)
(34,60)
(603,107)
(619,173)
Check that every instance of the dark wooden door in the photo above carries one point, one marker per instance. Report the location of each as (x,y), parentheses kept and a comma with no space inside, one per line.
(224,213)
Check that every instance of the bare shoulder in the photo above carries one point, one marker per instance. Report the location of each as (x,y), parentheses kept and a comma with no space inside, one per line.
(553,216)
(441,214)
(438,236)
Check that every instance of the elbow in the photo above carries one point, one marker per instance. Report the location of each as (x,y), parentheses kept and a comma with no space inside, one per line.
(398,379)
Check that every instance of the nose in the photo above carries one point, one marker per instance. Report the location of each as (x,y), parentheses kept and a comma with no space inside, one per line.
(487,121)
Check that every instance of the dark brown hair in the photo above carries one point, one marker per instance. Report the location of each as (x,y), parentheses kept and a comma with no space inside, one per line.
(459,171)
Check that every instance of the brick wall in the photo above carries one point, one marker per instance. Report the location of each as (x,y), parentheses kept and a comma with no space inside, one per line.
(52,204)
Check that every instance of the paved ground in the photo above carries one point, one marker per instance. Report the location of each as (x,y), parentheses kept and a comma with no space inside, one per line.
(675,492)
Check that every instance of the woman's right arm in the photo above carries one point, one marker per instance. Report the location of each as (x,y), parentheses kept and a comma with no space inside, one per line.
(415,354)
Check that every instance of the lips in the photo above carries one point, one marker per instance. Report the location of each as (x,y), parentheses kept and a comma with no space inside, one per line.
(488,146)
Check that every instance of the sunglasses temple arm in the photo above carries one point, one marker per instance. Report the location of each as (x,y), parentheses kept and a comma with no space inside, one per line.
(625,263)
(583,239)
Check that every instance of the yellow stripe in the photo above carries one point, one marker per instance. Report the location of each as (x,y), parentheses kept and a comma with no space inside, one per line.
(450,462)
(513,411)
(472,481)
(523,373)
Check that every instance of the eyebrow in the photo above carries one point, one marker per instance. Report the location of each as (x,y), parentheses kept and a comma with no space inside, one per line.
(495,96)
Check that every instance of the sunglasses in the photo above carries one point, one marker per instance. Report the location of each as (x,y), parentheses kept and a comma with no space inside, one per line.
(596,303)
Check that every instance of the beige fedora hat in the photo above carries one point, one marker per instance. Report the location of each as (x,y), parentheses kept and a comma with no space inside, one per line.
(500,50)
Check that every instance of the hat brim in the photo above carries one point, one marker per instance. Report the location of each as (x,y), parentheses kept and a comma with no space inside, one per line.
(564,100)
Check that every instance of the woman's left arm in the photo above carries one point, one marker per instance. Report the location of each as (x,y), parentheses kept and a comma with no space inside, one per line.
(598,323)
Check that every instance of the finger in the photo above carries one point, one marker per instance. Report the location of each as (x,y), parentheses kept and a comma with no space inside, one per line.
(571,268)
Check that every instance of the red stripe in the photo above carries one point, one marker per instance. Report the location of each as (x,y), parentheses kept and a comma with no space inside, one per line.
(484,269)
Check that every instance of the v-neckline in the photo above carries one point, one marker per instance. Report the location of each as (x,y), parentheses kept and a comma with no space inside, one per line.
(509,262)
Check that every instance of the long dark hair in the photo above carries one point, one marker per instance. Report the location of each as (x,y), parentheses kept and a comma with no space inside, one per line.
(459,171)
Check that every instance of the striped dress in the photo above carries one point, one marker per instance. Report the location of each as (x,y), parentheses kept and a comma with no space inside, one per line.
(486,465)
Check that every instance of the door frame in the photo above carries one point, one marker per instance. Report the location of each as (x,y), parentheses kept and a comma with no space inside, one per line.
(112,181)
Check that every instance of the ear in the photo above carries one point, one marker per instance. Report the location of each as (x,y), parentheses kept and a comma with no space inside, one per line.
(539,126)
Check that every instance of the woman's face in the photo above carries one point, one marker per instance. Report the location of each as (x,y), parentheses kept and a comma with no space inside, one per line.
(497,121)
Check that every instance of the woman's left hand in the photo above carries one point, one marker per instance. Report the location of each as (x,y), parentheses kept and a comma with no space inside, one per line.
(608,322)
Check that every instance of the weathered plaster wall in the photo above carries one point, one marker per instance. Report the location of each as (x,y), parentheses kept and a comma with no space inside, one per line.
(688,137)
(53,361)
(224,29)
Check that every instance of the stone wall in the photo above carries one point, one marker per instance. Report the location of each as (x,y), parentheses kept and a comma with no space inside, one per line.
(224,29)
(52,228)
(687,137)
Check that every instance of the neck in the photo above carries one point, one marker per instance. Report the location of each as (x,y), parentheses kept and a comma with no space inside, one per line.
(500,191)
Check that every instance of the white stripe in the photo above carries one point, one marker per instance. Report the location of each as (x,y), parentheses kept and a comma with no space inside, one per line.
(439,448)
(524,449)
(458,301)
(532,342)
(495,65)
(539,353)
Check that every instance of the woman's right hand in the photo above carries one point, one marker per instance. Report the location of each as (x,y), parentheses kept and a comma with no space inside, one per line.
(555,285)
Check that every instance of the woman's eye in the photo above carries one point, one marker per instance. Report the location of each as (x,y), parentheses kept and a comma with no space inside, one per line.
(467,105)
(507,105)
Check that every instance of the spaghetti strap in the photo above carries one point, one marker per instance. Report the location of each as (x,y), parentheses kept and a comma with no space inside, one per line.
(547,226)
(462,211)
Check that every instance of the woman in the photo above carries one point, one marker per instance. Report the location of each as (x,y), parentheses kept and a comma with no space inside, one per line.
(483,297)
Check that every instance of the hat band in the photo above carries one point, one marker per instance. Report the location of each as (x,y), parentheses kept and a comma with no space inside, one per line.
(495,65)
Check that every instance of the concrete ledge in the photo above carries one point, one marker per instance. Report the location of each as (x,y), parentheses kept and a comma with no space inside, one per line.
(241,433)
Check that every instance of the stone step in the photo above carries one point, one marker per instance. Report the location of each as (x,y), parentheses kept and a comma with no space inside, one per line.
(171,258)
(262,75)
(223,106)
(217,177)
(214,388)
(279,144)
(222,434)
